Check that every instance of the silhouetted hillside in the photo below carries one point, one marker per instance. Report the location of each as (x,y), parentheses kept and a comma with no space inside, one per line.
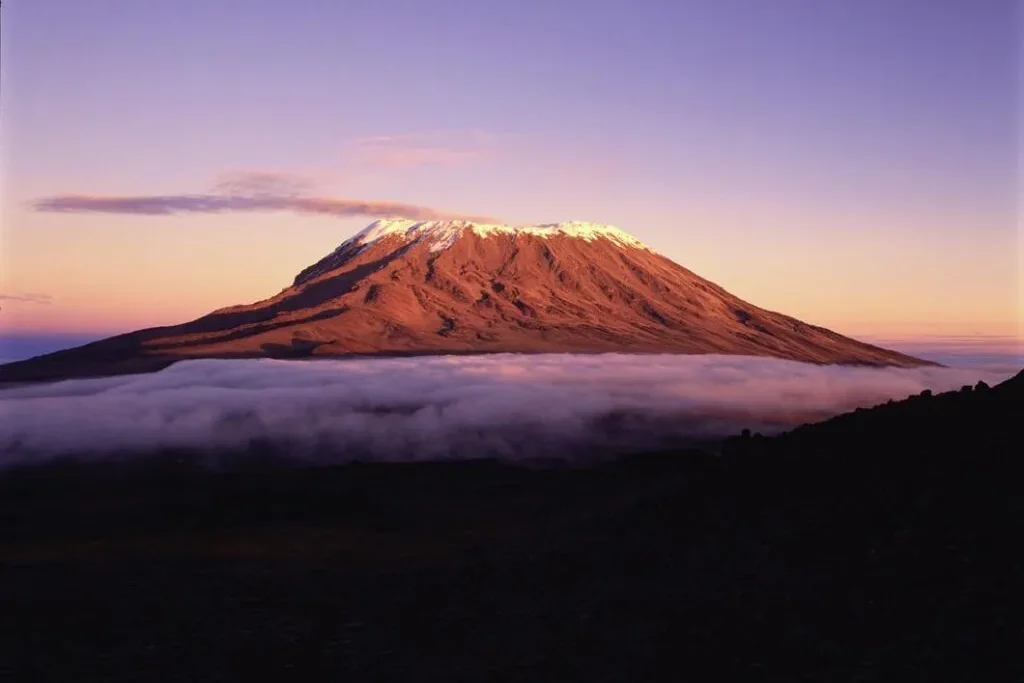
(877,546)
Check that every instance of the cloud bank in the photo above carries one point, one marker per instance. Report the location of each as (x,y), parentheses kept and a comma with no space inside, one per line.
(501,406)
(1003,351)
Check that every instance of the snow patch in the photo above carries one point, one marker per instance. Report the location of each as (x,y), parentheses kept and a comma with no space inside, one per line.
(443,234)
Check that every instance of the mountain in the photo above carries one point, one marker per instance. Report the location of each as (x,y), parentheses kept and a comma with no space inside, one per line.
(409,287)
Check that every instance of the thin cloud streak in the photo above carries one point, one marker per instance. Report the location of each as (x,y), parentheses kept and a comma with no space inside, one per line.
(957,350)
(419,156)
(451,149)
(252,199)
(27,298)
(446,149)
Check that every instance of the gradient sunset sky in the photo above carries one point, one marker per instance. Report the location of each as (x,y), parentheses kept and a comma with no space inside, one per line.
(853,163)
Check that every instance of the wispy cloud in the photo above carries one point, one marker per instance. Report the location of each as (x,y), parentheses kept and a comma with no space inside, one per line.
(251,191)
(256,183)
(410,150)
(27,298)
(448,149)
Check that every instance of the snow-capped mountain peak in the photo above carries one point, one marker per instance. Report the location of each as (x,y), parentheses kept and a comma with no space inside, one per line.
(397,287)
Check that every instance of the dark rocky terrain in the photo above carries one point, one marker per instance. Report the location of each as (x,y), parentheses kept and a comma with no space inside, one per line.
(877,546)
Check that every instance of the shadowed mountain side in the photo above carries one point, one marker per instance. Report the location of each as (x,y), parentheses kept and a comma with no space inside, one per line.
(479,294)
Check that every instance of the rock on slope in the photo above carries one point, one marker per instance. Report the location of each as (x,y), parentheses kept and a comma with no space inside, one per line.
(456,287)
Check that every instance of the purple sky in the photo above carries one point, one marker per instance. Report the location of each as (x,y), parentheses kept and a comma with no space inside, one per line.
(850,162)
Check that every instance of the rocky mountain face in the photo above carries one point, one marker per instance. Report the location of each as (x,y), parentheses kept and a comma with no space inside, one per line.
(405,287)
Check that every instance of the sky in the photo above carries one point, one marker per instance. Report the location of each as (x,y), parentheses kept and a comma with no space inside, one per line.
(854,164)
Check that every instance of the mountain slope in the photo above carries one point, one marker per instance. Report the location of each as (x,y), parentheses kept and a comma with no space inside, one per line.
(457,287)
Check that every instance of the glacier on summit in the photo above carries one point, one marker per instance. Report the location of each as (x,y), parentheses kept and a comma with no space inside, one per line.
(442,233)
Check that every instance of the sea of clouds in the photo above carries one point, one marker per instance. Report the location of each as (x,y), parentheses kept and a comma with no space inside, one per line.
(518,407)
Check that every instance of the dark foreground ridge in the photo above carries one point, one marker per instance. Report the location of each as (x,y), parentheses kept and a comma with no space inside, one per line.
(877,546)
